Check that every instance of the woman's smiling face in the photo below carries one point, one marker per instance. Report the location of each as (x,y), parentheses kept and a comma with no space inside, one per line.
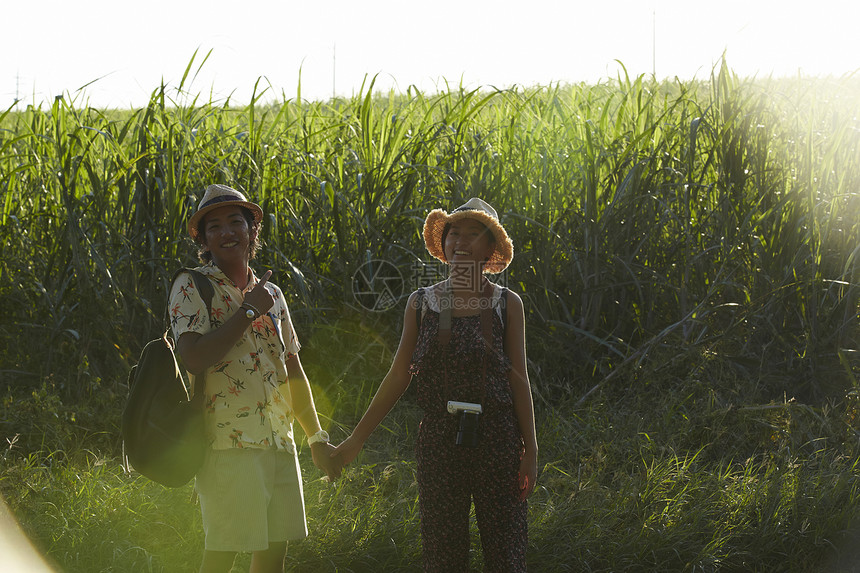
(468,241)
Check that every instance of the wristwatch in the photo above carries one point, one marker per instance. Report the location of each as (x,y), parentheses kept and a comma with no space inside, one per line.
(321,436)
(251,313)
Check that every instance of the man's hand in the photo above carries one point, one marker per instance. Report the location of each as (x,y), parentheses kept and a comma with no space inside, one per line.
(322,453)
(260,298)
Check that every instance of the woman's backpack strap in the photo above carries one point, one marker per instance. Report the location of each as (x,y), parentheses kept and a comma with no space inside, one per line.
(419,307)
(503,303)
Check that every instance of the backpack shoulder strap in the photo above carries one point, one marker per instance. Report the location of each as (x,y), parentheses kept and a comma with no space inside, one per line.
(207,293)
(504,305)
(419,307)
(204,287)
(201,283)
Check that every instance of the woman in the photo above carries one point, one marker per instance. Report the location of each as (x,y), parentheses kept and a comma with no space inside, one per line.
(463,340)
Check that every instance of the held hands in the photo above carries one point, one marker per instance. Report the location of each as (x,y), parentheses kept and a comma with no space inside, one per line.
(326,460)
(348,449)
(260,298)
(331,459)
(346,452)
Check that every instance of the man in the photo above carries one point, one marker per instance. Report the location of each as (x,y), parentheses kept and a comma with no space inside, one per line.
(246,356)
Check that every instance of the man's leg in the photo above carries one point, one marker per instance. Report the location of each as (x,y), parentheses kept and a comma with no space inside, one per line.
(233,502)
(217,561)
(270,560)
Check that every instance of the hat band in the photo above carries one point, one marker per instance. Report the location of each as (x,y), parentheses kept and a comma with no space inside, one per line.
(221,199)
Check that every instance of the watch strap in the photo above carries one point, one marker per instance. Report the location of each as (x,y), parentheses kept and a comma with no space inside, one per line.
(252,308)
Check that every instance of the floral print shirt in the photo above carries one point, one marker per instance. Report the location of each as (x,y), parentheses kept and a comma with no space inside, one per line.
(247,400)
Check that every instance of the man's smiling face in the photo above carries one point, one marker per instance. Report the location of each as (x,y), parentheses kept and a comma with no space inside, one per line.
(227,235)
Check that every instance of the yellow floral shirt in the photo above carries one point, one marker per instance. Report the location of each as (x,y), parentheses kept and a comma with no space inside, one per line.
(247,399)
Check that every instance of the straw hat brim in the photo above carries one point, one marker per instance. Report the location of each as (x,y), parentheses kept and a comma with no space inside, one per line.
(255,209)
(434,226)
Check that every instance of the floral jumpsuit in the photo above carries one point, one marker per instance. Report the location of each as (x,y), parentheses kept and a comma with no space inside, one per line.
(450,476)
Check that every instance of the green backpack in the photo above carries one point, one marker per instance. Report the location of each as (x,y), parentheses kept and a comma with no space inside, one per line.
(162,427)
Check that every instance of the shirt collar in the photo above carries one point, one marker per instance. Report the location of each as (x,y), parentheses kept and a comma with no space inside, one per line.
(214,270)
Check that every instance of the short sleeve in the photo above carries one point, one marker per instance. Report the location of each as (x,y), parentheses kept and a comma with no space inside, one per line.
(187,309)
(290,339)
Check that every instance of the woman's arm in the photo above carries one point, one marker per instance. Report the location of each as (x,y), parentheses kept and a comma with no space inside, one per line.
(392,387)
(515,346)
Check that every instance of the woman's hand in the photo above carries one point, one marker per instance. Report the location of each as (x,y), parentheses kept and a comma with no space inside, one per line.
(528,475)
(348,449)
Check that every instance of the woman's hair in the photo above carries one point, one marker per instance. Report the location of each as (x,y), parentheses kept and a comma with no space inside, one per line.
(205,256)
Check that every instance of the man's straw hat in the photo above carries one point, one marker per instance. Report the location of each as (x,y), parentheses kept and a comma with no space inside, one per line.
(481,211)
(219,196)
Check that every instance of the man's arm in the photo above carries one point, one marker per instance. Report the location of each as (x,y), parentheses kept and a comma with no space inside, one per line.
(200,351)
(305,412)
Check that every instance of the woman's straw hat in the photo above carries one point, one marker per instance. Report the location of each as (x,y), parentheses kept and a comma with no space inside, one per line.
(481,211)
(219,196)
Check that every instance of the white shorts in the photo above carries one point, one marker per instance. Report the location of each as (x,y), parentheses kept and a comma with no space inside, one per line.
(250,498)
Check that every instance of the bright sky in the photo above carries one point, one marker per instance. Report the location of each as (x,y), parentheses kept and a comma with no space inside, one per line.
(127,48)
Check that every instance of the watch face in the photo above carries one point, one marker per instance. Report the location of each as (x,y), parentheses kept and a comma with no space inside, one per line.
(321,436)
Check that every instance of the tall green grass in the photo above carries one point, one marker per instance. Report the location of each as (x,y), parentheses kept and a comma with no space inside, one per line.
(708,208)
(687,252)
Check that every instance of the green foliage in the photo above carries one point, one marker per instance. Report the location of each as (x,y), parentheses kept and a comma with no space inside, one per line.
(717,213)
(87,515)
